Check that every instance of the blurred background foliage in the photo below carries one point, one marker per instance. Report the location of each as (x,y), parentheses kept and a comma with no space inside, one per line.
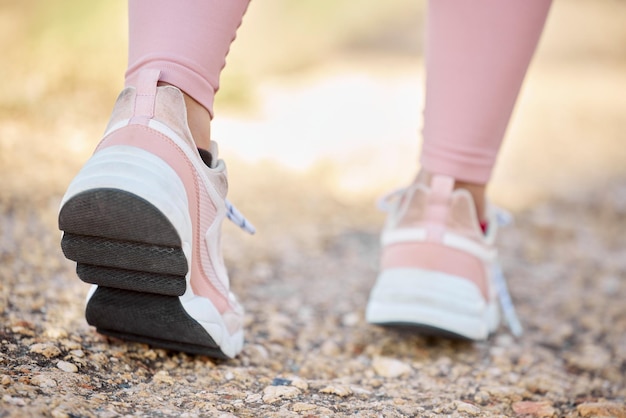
(60,46)
(63,62)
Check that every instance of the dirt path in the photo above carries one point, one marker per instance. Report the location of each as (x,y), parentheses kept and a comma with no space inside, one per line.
(305,277)
(309,351)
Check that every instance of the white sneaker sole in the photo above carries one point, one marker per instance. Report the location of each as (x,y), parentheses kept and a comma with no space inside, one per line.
(433,302)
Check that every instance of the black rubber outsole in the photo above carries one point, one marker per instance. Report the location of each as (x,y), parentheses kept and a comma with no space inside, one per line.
(127,247)
(425,330)
(136,316)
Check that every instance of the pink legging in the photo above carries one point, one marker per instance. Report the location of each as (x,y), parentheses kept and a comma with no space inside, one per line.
(187,40)
(477,54)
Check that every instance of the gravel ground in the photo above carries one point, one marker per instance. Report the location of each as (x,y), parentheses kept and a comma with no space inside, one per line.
(305,277)
(304,281)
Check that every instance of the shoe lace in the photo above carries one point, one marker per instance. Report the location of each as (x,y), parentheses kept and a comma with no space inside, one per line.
(503,218)
(506,304)
(385,202)
(238,219)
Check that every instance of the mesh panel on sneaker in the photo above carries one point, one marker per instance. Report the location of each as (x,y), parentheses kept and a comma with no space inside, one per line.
(435,265)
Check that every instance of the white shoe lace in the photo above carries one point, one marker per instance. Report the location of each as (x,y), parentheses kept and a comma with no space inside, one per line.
(506,304)
(238,219)
(384,203)
(504,218)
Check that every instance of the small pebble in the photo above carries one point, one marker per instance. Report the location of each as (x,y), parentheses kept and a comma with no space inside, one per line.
(254,397)
(13,400)
(350,319)
(388,367)
(43,381)
(46,350)
(330,348)
(163,377)
(272,394)
(278,381)
(22,330)
(78,353)
(590,358)
(534,409)
(66,366)
(467,408)
(299,383)
(302,407)
(55,333)
(57,413)
(602,409)
(339,390)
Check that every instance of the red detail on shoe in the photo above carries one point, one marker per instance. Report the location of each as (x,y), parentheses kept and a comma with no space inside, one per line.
(484,225)
(163,147)
(436,257)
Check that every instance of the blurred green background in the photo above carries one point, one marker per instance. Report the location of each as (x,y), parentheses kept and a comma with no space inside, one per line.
(63,64)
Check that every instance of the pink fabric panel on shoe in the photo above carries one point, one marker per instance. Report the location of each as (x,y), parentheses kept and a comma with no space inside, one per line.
(435,257)
(188,41)
(201,216)
(477,54)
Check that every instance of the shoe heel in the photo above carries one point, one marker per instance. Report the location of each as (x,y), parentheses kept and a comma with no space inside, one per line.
(158,320)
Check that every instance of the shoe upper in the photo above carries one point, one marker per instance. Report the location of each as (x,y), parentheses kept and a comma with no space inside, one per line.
(154,118)
(436,228)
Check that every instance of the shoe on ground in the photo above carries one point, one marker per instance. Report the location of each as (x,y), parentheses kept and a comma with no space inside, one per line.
(142,219)
(439,270)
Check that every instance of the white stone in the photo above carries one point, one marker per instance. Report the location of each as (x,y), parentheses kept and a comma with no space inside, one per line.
(43,381)
(272,394)
(467,408)
(388,367)
(66,366)
(339,390)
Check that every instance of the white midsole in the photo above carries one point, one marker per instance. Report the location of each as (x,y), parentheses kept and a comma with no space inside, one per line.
(410,295)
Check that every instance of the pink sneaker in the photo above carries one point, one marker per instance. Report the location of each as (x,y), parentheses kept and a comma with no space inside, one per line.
(142,219)
(439,271)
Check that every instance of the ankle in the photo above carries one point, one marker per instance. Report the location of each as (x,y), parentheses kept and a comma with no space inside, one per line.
(198,120)
(477,191)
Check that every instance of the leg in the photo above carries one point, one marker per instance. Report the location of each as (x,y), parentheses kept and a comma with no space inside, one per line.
(189,44)
(476,58)
(439,270)
(142,218)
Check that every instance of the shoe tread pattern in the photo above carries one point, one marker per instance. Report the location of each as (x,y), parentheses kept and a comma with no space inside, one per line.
(154,319)
(127,247)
